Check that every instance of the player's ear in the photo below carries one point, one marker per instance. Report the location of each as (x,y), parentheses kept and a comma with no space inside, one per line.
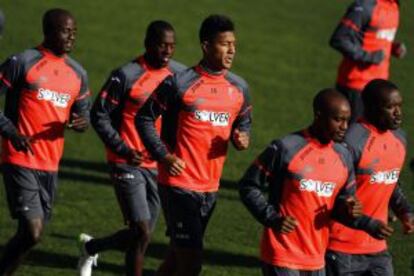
(204,46)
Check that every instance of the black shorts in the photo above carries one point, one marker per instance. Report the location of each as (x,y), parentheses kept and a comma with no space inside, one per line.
(270,270)
(355,101)
(187,214)
(378,264)
(30,193)
(137,193)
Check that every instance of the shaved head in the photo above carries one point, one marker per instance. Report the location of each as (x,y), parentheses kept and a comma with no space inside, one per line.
(52,20)
(382,104)
(59,29)
(331,115)
(326,99)
(375,92)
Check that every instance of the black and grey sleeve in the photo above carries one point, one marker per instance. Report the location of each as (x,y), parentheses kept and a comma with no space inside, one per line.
(11,72)
(349,34)
(106,103)
(82,104)
(258,176)
(243,121)
(163,97)
(399,203)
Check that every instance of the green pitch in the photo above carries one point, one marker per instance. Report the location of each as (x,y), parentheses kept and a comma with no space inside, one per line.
(282,52)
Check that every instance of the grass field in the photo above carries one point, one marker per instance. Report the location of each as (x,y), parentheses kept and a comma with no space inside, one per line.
(284,55)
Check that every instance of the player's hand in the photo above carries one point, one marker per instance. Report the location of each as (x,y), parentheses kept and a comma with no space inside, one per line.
(78,123)
(22,143)
(383,231)
(377,56)
(398,50)
(134,158)
(174,164)
(408,224)
(354,207)
(286,225)
(241,139)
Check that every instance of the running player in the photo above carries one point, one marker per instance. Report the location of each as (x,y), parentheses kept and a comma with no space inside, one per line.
(132,171)
(365,37)
(378,146)
(203,108)
(46,91)
(311,180)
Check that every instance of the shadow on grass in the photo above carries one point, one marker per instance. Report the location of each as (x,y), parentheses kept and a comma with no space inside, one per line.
(93,172)
(157,250)
(81,170)
(87,165)
(45,259)
(84,177)
(211,257)
(229,184)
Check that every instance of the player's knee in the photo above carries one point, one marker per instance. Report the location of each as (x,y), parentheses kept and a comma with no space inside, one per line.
(31,238)
(30,232)
(35,235)
(141,233)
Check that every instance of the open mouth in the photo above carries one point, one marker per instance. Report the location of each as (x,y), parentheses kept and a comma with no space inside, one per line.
(68,44)
(397,121)
(165,59)
(341,134)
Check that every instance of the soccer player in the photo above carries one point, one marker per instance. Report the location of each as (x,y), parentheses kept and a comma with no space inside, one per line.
(46,91)
(365,38)
(310,178)
(203,108)
(378,147)
(132,171)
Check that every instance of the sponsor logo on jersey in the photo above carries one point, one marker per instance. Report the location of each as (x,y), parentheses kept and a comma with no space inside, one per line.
(58,99)
(215,118)
(322,189)
(387,34)
(385,177)
(124,176)
(116,79)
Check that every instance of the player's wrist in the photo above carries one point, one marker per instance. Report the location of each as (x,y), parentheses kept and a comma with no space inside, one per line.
(168,158)
(275,221)
(10,133)
(376,57)
(122,150)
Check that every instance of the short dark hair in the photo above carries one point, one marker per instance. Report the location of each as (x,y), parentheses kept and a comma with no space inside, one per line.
(373,91)
(322,99)
(155,30)
(213,25)
(49,19)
